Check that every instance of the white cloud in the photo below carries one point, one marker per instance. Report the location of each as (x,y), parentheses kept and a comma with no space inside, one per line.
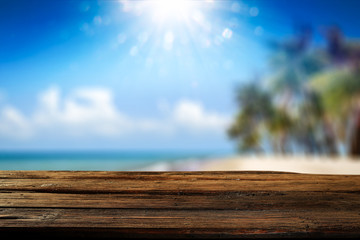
(13,124)
(84,111)
(194,116)
(92,112)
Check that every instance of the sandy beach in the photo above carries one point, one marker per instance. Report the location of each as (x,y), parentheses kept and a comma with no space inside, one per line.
(298,164)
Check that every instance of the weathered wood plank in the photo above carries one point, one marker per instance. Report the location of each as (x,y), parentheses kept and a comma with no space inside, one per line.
(234,201)
(171,222)
(270,221)
(182,182)
(179,204)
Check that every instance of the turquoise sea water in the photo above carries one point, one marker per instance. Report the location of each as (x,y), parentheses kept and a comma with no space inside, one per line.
(100,160)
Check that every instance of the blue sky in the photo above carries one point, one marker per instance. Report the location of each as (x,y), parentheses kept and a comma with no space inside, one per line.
(138,74)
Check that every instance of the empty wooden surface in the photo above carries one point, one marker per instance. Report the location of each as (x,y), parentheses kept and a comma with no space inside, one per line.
(179,204)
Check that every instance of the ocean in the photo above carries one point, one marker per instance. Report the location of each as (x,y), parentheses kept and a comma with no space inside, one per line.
(100,160)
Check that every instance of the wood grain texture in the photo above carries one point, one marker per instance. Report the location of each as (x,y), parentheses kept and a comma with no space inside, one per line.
(179,204)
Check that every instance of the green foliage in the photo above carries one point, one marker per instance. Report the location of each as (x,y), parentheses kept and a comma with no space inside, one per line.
(293,112)
(313,63)
(291,73)
(279,122)
(338,89)
(256,108)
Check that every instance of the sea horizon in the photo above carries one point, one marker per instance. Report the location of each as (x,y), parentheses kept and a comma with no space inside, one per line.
(100,160)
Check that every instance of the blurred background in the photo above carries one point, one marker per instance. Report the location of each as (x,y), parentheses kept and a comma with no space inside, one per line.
(180,85)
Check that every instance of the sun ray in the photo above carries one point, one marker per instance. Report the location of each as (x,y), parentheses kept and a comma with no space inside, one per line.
(175,10)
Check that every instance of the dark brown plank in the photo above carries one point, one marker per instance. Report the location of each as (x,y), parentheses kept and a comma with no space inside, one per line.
(179,204)
(221,201)
(184,182)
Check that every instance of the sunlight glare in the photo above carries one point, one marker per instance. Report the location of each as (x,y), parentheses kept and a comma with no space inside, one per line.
(165,10)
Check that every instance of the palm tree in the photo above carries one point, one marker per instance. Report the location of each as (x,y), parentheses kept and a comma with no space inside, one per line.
(258,117)
(255,108)
(339,88)
(293,64)
(287,113)
(340,92)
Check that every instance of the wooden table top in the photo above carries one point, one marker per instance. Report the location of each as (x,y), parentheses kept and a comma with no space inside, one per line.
(179,204)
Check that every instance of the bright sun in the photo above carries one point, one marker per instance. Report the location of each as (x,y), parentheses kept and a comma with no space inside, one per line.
(172,23)
(170,10)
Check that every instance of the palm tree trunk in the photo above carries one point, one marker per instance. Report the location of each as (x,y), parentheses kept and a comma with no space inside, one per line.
(330,138)
(282,144)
